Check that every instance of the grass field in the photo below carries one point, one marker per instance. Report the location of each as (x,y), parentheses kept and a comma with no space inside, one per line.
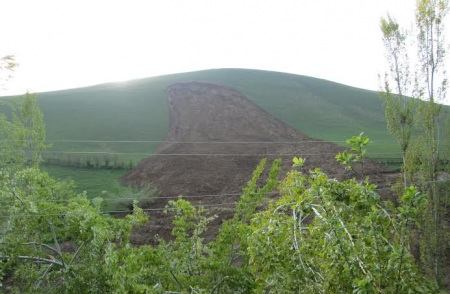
(92,180)
(97,183)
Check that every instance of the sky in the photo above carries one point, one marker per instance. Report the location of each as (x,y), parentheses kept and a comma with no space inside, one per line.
(63,44)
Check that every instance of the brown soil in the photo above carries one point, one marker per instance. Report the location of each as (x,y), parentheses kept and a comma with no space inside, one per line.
(216,139)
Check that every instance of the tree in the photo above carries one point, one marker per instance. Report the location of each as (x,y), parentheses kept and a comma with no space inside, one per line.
(399,107)
(23,133)
(422,155)
(43,216)
(326,236)
(430,17)
(356,156)
(40,215)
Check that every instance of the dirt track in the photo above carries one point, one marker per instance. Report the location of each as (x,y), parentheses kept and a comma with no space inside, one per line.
(216,139)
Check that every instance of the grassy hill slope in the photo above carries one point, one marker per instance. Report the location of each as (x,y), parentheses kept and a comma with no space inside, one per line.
(137,111)
(84,124)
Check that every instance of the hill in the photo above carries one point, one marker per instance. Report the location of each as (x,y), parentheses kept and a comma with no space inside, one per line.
(81,120)
(216,139)
(119,124)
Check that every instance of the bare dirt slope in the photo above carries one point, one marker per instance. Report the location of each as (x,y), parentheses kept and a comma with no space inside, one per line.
(217,137)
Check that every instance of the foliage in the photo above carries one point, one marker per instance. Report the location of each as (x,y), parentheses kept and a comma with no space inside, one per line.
(52,239)
(326,236)
(122,197)
(400,109)
(322,235)
(22,133)
(430,16)
(418,123)
(298,162)
(188,263)
(43,217)
(230,249)
(357,155)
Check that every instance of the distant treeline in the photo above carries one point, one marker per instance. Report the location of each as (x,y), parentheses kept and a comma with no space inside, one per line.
(94,162)
(387,160)
(396,163)
(115,162)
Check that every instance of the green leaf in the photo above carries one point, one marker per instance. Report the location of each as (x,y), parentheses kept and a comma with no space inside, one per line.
(298,162)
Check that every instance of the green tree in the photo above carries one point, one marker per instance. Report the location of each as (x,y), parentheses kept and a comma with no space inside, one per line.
(400,109)
(430,16)
(188,263)
(320,236)
(43,217)
(326,236)
(422,155)
(230,259)
(51,239)
(22,131)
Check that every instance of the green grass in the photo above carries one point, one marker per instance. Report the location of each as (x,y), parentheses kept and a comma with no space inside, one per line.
(102,183)
(92,180)
(112,112)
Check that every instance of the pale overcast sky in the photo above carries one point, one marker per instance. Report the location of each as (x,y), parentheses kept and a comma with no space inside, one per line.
(64,44)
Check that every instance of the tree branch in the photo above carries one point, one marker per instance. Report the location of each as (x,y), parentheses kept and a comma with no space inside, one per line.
(178,282)
(38,259)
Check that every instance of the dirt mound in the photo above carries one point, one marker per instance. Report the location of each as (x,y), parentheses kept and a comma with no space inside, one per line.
(217,137)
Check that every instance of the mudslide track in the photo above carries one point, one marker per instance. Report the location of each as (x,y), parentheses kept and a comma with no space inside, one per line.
(216,139)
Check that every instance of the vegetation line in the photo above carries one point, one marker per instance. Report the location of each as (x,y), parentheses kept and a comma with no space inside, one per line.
(217,205)
(212,142)
(203,154)
(197,196)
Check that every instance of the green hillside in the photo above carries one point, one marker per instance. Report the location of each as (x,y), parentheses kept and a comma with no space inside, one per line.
(113,123)
(137,111)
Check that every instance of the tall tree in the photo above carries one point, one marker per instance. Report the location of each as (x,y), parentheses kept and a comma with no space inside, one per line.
(430,15)
(399,108)
(421,155)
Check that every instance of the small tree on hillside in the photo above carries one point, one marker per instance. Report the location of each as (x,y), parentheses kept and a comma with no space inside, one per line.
(22,133)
